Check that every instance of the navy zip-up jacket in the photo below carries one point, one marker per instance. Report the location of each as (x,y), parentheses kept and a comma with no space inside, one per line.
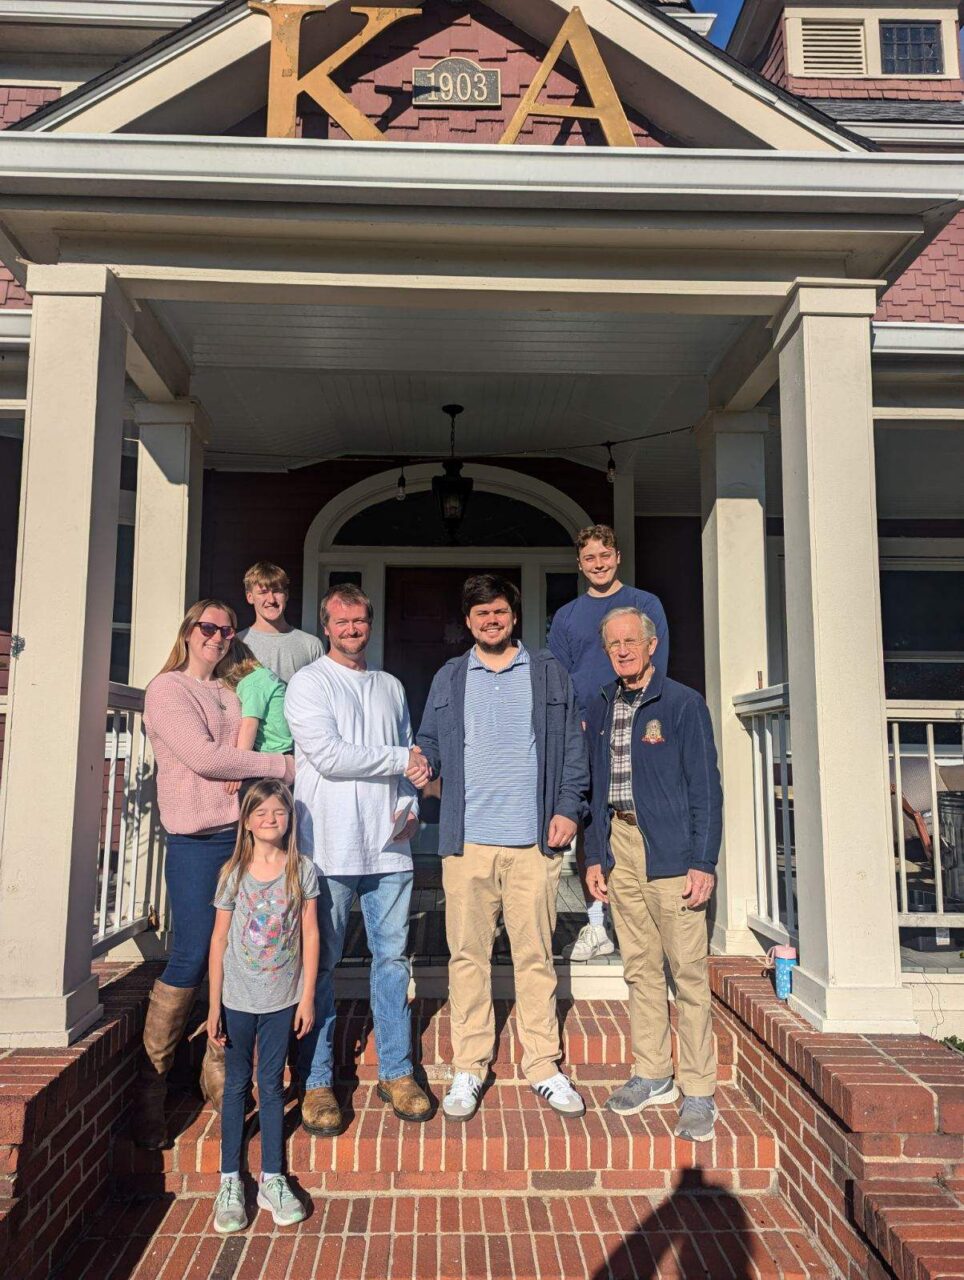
(676,782)
(560,747)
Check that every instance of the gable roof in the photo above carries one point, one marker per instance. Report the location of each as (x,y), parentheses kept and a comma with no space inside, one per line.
(661,68)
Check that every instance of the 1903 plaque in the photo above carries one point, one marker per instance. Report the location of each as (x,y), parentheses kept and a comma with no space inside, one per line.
(456,82)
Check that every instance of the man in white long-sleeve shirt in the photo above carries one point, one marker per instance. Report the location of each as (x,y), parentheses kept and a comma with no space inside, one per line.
(357,808)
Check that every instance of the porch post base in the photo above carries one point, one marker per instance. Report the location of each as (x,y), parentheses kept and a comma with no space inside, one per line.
(854,1010)
(49,1022)
(734,941)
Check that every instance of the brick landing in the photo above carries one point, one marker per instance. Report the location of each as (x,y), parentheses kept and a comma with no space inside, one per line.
(438,1237)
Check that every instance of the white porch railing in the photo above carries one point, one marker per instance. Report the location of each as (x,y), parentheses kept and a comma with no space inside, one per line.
(926,749)
(130,847)
(766,716)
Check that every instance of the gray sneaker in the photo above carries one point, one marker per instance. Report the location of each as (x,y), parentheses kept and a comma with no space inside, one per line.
(276,1196)
(638,1093)
(697,1117)
(229,1212)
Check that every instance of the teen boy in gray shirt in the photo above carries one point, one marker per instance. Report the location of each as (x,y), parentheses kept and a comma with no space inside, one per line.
(276,644)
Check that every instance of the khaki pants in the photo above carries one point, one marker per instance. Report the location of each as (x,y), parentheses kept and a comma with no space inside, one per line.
(522,883)
(652,920)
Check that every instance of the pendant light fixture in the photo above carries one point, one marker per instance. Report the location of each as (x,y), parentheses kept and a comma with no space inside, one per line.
(452,490)
(610,464)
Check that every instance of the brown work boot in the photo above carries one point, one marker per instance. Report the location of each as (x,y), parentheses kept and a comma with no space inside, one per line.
(167,1015)
(212,1075)
(407,1100)
(320,1112)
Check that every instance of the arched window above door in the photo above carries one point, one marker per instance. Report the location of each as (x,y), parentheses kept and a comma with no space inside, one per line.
(491,520)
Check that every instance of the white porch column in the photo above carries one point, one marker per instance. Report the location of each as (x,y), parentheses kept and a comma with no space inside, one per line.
(167,530)
(53,783)
(733,493)
(849,977)
(624,525)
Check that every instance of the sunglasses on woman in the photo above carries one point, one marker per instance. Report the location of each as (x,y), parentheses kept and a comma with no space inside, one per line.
(210,629)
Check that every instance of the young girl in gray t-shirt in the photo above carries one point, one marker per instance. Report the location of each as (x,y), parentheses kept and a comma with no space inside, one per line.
(263,966)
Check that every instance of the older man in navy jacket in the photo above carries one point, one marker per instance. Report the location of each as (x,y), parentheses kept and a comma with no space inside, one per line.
(651,850)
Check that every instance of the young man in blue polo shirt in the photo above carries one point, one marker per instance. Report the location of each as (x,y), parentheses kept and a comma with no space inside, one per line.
(574,640)
(502,729)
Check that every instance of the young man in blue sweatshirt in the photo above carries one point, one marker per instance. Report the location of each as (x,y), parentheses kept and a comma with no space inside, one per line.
(574,640)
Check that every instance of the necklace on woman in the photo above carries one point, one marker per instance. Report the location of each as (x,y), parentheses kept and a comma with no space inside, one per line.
(215,683)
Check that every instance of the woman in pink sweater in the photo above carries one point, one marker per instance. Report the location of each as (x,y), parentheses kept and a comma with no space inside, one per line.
(192,720)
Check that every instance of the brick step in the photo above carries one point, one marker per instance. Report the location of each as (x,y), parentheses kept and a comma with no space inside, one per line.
(595,1033)
(915,1225)
(450,1237)
(514,1143)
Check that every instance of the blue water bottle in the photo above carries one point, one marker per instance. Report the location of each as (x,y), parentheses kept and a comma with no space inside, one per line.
(784,961)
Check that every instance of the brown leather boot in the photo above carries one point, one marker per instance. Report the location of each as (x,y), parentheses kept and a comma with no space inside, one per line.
(407,1100)
(320,1112)
(212,1075)
(167,1015)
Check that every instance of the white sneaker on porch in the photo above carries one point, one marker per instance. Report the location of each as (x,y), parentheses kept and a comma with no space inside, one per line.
(560,1095)
(462,1100)
(593,941)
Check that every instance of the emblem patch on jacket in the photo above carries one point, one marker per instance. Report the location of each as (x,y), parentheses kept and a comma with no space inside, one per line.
(654,732)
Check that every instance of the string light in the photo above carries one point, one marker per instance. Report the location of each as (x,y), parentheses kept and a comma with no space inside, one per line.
(610,464)
(547,451)
(400,487)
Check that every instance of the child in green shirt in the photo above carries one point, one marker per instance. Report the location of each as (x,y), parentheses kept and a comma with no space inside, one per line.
(262,697)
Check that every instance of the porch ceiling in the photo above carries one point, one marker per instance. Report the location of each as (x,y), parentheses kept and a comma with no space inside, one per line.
(289,385)
(457,340)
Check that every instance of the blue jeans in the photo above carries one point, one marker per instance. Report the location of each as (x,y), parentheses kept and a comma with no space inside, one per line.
(271,1031)
(384,903)
(191,869)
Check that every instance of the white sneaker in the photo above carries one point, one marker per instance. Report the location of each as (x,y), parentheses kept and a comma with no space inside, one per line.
(462,1100)
(560,1095)
(593,941)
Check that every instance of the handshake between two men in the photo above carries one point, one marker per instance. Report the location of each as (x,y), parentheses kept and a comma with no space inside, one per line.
(562,831)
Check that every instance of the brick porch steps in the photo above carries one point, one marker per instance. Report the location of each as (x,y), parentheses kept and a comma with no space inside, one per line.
(595,1034)
(450,1237)
(514,1143)
(917,1227)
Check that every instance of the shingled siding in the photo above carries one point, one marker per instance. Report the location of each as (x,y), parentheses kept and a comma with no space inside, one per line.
(773,66)
(379,83)
(19,100)
(932,289)
(16,102)
(888,88)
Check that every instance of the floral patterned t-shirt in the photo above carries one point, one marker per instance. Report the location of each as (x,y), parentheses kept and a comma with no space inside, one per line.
(262,961)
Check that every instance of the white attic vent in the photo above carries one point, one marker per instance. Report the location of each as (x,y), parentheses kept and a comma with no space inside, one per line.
(833,48)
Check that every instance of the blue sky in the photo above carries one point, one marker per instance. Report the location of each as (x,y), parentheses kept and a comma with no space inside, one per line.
(727,11)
